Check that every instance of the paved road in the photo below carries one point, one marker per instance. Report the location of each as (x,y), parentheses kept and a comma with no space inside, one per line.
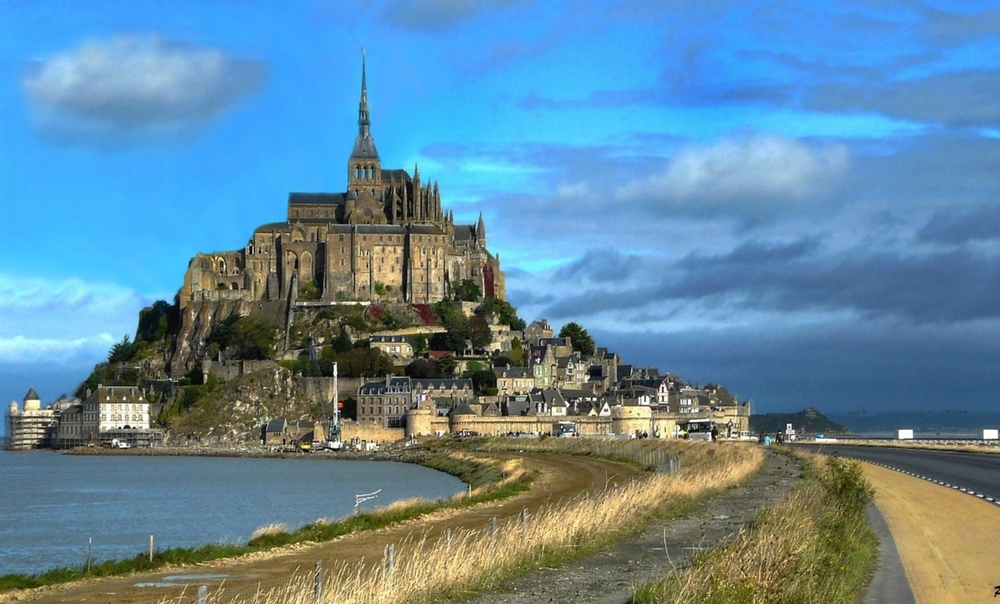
(979,472)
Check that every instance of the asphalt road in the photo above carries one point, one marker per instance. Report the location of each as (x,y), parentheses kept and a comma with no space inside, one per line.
(978,472)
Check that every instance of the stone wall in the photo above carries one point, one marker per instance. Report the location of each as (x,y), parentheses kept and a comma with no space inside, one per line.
(624,421)
(369,432)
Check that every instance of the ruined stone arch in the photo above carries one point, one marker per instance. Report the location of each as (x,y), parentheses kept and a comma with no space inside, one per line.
(220,262)
(305,267)
(298,235)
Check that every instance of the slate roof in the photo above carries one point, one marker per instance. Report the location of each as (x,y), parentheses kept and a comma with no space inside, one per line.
(276,426)
(516,405)
(364,147)
(438,384)
(464,232)
(399,174)
(397,385)
(329,199)
(513,372)
(32,395)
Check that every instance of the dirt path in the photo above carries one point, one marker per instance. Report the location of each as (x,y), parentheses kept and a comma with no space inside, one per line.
(561,477)
(610,577)
(946,539)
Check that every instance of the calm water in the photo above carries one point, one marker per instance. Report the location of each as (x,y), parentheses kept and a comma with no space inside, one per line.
(50,503)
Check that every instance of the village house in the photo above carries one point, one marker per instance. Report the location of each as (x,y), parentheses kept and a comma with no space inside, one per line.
(514,380)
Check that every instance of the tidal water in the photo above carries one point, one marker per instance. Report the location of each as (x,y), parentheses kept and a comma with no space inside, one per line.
(51,503)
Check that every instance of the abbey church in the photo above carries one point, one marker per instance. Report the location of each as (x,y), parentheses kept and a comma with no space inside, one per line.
(385,237)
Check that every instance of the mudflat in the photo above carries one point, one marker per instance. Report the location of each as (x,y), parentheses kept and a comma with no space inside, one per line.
(947,540)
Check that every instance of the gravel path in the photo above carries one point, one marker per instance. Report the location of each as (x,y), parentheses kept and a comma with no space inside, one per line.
(609,577)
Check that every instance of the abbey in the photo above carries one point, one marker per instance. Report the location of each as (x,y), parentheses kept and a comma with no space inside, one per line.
(386,237)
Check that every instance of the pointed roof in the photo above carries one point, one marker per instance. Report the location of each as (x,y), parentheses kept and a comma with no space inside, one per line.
(32,395)
(364,144)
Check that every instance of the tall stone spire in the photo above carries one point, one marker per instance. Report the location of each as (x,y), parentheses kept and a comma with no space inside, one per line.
(364,123)
(364,144)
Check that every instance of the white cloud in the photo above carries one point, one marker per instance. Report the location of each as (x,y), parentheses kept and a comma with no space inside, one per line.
(736,169)
(63,322)
(20,350)
(133,82)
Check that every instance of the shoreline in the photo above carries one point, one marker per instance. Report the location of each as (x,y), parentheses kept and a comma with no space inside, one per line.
(400,455)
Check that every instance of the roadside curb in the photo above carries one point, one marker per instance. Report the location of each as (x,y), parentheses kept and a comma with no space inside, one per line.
(889,584)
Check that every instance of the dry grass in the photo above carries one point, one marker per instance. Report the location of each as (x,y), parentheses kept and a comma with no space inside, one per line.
(269,529)
(814,546)
(476,560)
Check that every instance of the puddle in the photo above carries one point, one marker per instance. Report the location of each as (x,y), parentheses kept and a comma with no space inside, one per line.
(172,581)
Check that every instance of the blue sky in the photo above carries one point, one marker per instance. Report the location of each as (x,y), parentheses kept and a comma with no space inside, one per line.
(798,200)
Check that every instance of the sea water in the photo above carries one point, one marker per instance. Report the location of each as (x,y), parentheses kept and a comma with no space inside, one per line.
(50,503)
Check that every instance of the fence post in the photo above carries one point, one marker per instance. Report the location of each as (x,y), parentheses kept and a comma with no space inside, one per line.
(524,521)
(90,543)
(493,526)
(388,557)
(447,550)
(150,548)
(202,594)
(318,582)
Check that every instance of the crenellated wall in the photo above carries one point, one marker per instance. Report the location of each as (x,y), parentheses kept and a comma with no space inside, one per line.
(624,420)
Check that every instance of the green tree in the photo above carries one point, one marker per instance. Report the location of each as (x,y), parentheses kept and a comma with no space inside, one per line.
(516,353)
(156,321)
(343,342)
(446,366)
(468,291)
(423,369)
(582,342)
(479,333)
(253,338)
(484,381)
(123,351)
(420,343)
(504,312)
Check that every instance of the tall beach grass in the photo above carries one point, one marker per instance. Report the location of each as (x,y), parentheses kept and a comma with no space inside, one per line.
(428,569)
(814,546)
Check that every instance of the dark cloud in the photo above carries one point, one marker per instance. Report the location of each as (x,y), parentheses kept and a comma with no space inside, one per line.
(956,29)
(944,287)
(969,98)
(841,367)
(957,226)
(437,15)
(601,266)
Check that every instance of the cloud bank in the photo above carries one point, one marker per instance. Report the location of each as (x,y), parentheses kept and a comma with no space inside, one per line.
(136,84)
(755,167)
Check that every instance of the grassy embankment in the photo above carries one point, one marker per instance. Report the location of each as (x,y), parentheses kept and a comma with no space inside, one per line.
(815,546)
(490,480)
(434,570)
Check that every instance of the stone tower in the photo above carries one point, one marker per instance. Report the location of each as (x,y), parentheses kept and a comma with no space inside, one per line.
(364,169)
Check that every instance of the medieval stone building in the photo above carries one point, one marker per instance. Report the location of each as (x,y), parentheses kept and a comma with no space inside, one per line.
(386,236)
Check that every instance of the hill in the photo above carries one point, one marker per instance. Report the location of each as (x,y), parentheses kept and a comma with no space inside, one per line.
(807,421)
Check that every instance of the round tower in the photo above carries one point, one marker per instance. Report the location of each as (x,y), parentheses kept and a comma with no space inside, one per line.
(418,422)
(32,402)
